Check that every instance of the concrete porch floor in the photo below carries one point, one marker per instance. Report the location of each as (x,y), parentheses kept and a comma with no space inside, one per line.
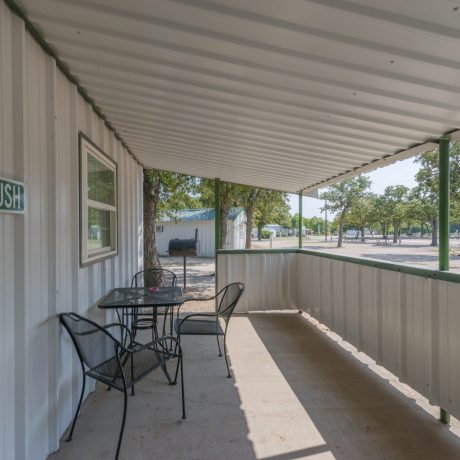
(296,395)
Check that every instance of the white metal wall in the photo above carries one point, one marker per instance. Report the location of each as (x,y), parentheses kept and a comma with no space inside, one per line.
(270,279)
(40,116)
(186,229)
(236,236)
(407,323)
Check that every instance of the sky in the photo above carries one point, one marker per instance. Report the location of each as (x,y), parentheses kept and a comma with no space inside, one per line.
(399,173)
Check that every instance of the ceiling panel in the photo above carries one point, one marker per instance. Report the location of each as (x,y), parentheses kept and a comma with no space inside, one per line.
(286,95)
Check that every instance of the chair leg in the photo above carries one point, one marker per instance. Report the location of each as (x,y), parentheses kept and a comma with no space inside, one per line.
(182,387)
(218,344)
(122,429)
(164,320)
(180,359)
(171,325)
(225,354)
(132,375)
(69,438)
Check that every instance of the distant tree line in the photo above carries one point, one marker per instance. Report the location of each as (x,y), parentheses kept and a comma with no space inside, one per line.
(399,208)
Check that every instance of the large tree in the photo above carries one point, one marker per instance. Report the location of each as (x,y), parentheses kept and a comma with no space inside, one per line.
(248,197)
(362,213)
(340,198)
(396,197)
(164,193)
(427,189)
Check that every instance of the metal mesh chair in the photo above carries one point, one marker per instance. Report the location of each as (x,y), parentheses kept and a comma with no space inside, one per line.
(104,358)
(208,323)
(147,318)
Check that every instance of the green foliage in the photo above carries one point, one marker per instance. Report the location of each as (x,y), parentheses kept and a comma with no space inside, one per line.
(427,190)
(262,206)
(341,197)
(177,191)
(362,212)
(265,234)
(272,208)
(316,224)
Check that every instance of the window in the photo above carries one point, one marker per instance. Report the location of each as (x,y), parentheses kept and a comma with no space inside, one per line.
(98,203)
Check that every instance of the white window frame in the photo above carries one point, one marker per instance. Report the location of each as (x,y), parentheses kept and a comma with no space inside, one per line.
(89,256)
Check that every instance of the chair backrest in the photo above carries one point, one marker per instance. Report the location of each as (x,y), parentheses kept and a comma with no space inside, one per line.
(94,345)
(154,277)
(229,297)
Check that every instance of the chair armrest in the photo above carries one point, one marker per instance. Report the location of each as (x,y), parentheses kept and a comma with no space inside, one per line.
(199,299)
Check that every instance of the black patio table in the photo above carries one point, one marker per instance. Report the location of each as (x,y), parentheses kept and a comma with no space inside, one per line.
(138,297)
(129,299)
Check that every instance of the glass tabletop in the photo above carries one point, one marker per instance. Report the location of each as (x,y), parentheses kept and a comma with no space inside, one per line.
(142,297)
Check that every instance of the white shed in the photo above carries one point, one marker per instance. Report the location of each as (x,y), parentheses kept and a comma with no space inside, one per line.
(186,221)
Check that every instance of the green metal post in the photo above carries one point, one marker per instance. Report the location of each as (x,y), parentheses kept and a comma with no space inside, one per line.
(444,201)
(216,225)
(217,213)
(444,224)
(300,219)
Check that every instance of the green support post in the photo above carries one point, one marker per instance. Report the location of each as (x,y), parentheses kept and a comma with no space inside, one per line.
(217,213)
(216,224)
(444,202)
(444,224)
(300,219)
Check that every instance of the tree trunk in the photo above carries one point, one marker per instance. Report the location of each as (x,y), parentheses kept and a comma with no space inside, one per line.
(249,209)
(339,242)
(224,210)
(152,182)
(434,233)
(395,233)
(259,231)
(249,220)
(363,238)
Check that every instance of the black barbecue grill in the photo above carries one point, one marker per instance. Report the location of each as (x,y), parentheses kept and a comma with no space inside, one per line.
(178,247)
(184,248)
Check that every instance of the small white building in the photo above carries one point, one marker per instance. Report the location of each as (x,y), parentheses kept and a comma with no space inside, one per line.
(185,221)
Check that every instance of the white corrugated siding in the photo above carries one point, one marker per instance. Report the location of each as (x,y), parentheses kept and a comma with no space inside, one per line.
(236,237)
(267,277)
(407,323)
(186,229)
(40,116)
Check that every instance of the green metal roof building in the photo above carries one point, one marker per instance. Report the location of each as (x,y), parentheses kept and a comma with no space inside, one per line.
(184,222)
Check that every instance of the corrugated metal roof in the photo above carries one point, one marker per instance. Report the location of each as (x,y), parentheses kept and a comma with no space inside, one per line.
(284,95)
(199,214)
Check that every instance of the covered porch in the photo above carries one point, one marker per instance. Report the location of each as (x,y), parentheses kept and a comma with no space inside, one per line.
(292,98)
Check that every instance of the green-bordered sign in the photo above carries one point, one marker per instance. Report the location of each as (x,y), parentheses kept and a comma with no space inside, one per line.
(11,196)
